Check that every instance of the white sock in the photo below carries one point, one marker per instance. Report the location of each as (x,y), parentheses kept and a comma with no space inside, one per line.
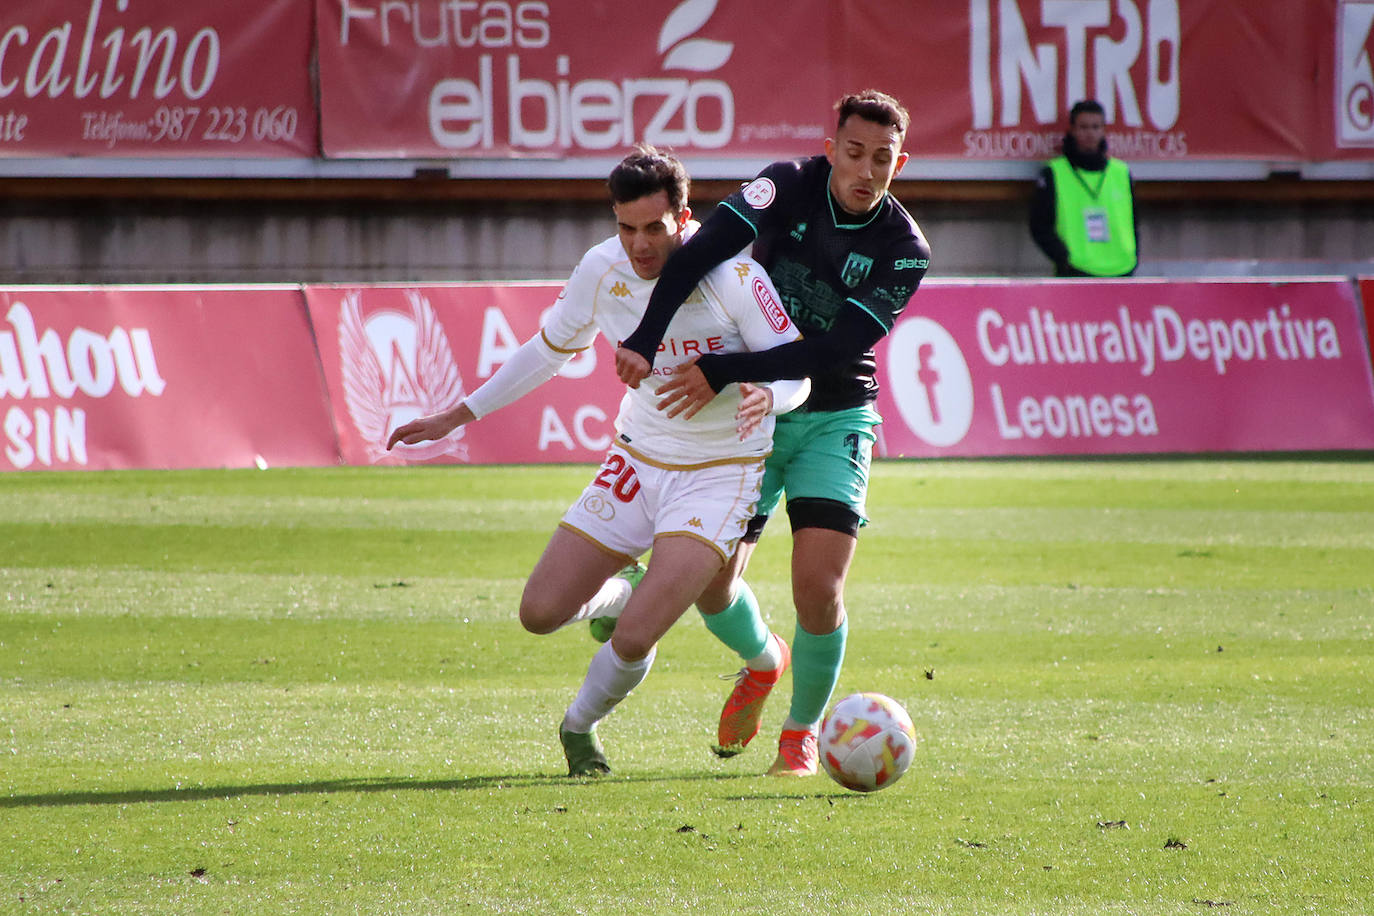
(792,725)
(609,680)
(769,659)
(609,601)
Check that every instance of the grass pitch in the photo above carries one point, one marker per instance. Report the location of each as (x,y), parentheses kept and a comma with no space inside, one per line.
(1140,687)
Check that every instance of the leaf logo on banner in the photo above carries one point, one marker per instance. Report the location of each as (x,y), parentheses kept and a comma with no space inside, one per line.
(396,367)
(699,54)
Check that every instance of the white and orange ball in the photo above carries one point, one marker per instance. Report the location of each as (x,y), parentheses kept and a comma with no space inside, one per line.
(867,742)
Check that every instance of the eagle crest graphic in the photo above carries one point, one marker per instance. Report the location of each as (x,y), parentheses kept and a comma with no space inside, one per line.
(397,367)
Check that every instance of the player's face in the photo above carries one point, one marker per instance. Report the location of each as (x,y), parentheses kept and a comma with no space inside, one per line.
(649,230)
(1088,130)
(866,156)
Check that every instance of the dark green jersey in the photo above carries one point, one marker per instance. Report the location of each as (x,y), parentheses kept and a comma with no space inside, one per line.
(823,261)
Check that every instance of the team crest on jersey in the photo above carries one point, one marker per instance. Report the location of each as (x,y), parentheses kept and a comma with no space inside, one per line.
(856,269)
(397,367)
(760,193)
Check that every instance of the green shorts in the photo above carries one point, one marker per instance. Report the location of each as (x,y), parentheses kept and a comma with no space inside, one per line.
(824,455)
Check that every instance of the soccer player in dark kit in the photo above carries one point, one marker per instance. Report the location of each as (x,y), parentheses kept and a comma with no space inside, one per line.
(846,257)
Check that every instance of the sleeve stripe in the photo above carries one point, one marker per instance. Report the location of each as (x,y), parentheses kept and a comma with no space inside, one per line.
(870,313)
(750,223)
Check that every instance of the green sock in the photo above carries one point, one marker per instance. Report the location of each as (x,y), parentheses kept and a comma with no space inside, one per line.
(740,626)
(816,662)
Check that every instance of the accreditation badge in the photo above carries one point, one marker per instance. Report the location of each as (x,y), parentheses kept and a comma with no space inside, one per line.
(1095,225)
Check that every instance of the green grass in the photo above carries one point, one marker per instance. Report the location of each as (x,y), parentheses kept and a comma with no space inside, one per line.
(1140,687)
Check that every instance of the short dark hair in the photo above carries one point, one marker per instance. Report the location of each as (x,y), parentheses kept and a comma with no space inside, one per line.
(647,171)
(875,106)
(1086,106)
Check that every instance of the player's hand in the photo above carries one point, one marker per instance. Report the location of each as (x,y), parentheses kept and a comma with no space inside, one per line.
(434,426)
(685,392)
(630,366)
(755,403)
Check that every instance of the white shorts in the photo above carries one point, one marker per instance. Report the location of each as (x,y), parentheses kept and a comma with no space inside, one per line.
(631,501)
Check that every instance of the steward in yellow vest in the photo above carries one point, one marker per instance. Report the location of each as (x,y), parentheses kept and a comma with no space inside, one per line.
(1082,214)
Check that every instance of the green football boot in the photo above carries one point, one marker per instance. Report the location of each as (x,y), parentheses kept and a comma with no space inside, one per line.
(585,755)
(603,627)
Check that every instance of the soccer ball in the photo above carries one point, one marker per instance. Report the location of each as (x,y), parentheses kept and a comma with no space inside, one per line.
(867,742)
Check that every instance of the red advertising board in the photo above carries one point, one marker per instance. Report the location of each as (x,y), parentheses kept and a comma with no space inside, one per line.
(973,369)
(171,377)
(536,80)
(392,353)
(1116,367)
(986,80)
(156,78)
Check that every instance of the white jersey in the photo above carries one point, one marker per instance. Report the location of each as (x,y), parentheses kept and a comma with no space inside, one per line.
(734,309)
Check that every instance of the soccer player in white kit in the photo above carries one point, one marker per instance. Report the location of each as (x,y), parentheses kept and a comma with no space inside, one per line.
(685,486)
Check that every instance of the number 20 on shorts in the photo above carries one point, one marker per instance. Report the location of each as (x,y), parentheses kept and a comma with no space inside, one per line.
(618,476)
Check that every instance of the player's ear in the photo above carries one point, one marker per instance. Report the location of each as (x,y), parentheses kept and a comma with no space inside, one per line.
(830,150)
(902,157)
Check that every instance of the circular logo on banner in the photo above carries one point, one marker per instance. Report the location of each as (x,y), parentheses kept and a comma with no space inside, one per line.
(397,366)
(760,192)
(930,382)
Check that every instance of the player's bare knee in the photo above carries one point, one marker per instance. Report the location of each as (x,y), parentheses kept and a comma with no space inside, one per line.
(540,617)
(629,646)
(715,598)
(819,613)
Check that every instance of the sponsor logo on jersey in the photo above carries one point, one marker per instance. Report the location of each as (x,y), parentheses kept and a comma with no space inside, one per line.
(856,268)
(798,231)
(911,263)
(397,367)
(772,309)
(620,289)
(760,193)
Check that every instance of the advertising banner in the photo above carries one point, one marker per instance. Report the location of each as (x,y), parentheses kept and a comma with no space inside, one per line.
(156,78)
(985,80)
(1115,367)
(179,377)
(548,80)
(170,377)
(393,353)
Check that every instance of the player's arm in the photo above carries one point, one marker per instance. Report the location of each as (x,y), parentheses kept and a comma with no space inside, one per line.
(695,383)
(722,236)
(759,401)
(855,332)
(786,395)
(532,364)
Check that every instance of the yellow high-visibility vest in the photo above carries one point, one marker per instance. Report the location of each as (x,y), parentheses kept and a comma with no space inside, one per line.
(1095,217)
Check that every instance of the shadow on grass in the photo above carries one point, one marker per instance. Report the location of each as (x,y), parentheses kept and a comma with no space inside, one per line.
(338,786)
